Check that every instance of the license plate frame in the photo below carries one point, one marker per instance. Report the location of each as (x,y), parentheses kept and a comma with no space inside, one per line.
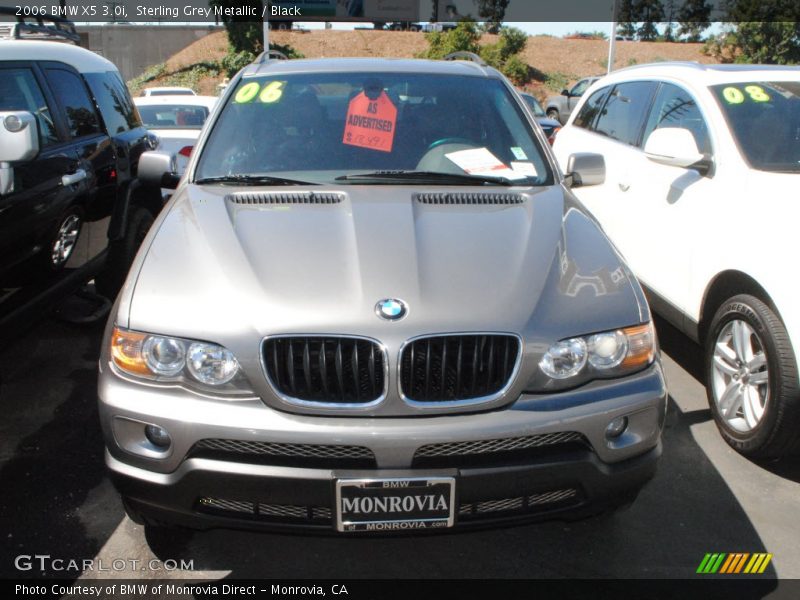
(426,493)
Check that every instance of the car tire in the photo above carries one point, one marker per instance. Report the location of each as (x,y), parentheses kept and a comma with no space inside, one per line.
(62,240)
(133,514)
(552,113)
(122,252)
(751,379)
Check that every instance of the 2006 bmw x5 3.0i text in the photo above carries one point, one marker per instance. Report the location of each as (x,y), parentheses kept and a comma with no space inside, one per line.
(374,304)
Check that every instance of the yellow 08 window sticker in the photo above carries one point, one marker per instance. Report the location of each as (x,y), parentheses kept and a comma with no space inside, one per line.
(757,93)
(734,95)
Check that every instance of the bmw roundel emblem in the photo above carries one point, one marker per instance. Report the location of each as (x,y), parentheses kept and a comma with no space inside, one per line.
(391,309)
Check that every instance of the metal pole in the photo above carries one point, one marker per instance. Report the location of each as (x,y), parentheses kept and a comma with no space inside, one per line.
(612,39)
(612,45)
(266,32)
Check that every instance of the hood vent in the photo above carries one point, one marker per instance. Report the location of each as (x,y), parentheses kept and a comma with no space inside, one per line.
(469,198)
(273,198)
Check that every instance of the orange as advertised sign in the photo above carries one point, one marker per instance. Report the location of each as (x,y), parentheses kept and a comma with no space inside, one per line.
(370,123)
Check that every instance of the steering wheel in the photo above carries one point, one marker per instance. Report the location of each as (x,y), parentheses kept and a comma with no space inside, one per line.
(449,140)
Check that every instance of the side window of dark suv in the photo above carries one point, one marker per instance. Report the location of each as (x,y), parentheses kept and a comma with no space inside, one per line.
(119,112)
(82,119)
(19,90)
(623,115)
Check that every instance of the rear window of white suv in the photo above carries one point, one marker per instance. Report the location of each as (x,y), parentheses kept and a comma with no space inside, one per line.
(764,117)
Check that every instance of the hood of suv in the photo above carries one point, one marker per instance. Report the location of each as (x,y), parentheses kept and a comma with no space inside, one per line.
(235,265)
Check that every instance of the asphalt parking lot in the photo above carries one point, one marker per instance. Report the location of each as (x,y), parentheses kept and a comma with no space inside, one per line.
(57,501)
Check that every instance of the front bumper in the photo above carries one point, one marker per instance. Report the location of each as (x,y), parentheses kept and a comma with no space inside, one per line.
(543,456)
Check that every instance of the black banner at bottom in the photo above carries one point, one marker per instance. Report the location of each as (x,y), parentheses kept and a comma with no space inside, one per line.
(705,587)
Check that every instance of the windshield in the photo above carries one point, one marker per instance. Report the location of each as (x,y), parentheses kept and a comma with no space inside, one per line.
(173,116)
(765,120)
(324,127)
(170,92)
(534,105)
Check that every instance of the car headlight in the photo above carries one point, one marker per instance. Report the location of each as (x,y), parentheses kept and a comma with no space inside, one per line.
(564,359)
(606,354)
(211,364)
(166,359)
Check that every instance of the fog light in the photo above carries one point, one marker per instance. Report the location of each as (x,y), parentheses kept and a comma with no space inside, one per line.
(616,428)
(157,436)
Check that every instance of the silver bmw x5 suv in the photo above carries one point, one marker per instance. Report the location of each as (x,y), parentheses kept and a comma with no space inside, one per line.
(373,304)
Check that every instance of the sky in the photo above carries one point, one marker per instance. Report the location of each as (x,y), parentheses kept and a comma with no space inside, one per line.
(552,28)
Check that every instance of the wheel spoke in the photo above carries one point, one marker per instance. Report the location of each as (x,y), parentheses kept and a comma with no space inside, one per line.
(751,416)
(741,341)
(724,350)
(730,398)
(760,378)
(758,407)
(723,361)
(758,361)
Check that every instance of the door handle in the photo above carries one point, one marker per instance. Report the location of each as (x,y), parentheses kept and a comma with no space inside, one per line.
(73,178)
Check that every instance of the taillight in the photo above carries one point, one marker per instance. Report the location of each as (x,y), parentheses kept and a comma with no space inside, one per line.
(186,151)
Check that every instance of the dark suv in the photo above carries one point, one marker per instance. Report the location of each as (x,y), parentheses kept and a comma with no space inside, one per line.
(70,141)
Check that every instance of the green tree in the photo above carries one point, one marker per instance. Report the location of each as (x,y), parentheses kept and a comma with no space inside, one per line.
(766,42)
(759,31)
(464,38)
(244,34)
(492,12)
(626,23)
(670,16)
(503,55)
(694,17)
(650,12)
(512,41)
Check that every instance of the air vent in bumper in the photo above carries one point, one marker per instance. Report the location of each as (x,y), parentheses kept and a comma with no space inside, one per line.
(310,456)
(276,513)
(523,504)
(499,452)
(326,370)
(456,368)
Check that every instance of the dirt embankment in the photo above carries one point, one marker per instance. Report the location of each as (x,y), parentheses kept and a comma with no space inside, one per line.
(561,60)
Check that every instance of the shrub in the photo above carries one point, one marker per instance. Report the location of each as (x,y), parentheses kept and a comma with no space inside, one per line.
(517,70)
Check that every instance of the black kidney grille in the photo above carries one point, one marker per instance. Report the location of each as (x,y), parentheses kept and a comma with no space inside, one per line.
(460,367)
(326,369)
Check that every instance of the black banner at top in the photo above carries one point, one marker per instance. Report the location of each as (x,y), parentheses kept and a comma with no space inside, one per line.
(384,11)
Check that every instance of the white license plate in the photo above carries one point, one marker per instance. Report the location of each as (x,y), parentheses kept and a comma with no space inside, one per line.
(395,504)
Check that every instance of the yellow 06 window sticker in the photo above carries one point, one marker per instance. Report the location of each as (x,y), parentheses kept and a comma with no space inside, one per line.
(734,95)
(246,93)
(272,92)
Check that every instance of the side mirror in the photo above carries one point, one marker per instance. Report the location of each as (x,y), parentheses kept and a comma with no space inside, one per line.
(565,93)
(158,169)
(19,141)
(585,168)
(676,147)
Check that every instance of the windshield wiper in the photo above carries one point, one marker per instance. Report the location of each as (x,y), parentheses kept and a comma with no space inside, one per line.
(253,180)
(430,177)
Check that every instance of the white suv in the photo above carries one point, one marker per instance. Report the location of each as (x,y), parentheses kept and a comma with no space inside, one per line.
(703,172)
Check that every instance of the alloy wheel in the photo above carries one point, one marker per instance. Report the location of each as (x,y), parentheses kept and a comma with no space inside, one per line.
(65,240)
(740,376)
